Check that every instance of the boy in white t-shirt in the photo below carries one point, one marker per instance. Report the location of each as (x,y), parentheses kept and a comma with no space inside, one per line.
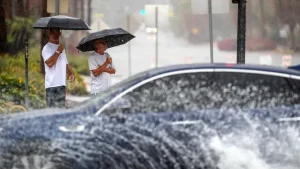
(101,67)
(56,70)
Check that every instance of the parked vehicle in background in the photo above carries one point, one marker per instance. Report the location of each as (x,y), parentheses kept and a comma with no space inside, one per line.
(195,27)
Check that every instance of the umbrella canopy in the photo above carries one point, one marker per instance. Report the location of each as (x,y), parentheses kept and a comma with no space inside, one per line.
(61,22)
(112,37)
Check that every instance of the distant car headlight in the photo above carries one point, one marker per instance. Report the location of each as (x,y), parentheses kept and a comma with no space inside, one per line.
(154,30)
(151,30)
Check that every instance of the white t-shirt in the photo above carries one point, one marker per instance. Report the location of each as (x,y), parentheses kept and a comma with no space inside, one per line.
(56,75)
(102,81)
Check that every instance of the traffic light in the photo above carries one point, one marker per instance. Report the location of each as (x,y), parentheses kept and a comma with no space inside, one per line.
(235,1)
(143,12)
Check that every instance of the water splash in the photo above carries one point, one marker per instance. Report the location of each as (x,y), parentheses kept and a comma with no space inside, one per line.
(160,141)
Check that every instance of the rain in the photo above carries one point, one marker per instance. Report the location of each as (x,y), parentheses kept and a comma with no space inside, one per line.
(190,84)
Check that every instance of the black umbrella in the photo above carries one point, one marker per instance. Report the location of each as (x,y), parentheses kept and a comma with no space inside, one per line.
(61,22)
(112,37)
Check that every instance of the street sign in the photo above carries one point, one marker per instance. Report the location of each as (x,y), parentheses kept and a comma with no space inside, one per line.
(63,6)
(218,6)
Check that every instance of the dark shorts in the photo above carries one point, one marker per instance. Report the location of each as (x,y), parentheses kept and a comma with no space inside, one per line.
(56,96)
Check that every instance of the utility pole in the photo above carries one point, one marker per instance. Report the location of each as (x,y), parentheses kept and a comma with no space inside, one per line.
(56,7)
(89,12)
(262,14)
(156,38)
(211,37)
(241,35)
(129,45)
(26,75)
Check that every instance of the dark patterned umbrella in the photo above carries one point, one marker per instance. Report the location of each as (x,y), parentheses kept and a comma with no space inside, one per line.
(61,22)
(112,37)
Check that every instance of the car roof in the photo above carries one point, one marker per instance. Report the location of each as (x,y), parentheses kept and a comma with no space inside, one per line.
(267,68)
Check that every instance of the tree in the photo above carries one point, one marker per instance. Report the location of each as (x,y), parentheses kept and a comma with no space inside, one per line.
(8,9)
(20,8)
(3,32)
(27,10)
(44,36)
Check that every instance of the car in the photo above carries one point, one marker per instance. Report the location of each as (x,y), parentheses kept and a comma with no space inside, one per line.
(198,87)
(195,87)
(156,119)
(202,139)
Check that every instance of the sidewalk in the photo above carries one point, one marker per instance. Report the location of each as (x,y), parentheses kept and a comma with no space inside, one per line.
(72,100)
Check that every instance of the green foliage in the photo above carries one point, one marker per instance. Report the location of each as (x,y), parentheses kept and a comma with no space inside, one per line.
(12,80)
(78,86)
(80,63)
(19,24)
(13,90)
